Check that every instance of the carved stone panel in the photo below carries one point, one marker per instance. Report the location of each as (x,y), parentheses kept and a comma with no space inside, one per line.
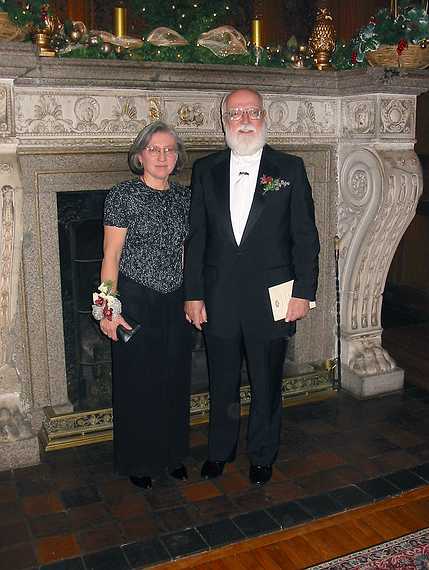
(302,117)
(358,117)
(6,121)
(397,117)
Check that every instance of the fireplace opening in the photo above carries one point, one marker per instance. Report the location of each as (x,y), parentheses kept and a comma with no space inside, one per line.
(87,350)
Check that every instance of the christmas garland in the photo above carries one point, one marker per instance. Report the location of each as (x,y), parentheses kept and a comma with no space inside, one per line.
(411,26)
(23,13)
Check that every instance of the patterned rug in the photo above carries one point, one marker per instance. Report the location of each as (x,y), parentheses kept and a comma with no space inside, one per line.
(410,552)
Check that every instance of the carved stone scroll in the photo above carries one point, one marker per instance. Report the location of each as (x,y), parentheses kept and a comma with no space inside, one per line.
(379,191)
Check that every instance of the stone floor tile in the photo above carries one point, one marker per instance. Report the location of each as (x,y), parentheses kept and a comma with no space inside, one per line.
(89,515)
(53,548)
(201,491)
(42,504)
(100,538)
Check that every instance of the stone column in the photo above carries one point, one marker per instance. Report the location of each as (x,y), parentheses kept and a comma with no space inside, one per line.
(18,443)
(380,182)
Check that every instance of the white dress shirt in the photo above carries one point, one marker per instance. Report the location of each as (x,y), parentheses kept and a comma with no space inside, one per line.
(243,174)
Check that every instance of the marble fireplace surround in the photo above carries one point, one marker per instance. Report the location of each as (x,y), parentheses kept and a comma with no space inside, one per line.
(66,126)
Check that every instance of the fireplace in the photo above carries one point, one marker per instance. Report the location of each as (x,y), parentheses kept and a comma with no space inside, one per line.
(354,130)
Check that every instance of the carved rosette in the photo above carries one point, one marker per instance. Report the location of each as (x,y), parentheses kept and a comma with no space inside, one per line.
(397,117)
(379,192)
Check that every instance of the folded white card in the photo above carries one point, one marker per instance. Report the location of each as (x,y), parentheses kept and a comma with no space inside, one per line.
(280,296)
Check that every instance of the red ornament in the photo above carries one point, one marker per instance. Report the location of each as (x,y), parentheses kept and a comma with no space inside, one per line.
(402,44)
(354,57)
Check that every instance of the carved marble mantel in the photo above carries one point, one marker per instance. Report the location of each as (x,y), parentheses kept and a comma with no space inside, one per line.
(65,125)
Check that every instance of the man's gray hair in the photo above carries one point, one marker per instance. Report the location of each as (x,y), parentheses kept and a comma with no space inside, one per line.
(142,140)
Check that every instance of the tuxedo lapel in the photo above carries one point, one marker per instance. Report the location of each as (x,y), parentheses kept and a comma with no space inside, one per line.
(221,178)
(266,167)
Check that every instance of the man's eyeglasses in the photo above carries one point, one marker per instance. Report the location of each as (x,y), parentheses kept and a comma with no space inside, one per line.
(158,150)
(252,112)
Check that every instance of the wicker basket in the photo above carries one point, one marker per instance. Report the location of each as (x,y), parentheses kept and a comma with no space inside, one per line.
(412,57)
(8,30)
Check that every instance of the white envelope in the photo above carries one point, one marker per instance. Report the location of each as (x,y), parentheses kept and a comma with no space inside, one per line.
(280,296)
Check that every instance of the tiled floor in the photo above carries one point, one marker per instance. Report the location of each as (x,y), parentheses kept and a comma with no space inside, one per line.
(72,513)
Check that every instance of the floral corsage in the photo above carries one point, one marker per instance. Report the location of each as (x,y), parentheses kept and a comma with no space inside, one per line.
(270,184)
(106,304)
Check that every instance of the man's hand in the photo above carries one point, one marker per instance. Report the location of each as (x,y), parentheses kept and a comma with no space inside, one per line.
(297,309)
(196,313)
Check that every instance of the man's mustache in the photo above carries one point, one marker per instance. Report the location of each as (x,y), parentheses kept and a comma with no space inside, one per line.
(247,129)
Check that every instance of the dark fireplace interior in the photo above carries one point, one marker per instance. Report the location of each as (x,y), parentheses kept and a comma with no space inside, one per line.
(87,351)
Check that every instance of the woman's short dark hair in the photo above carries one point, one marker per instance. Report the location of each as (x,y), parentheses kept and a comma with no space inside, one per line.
(143,139)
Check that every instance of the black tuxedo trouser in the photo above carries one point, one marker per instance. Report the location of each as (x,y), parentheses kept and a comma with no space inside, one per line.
(264,361)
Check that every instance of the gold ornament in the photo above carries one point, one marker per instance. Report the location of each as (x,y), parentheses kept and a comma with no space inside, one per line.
(75,36)
(166,37)
(322,39)
(92,41)
(106,49)
(223,41)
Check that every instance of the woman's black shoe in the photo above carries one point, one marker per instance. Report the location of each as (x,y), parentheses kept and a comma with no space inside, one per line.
(180,473)
(143,482)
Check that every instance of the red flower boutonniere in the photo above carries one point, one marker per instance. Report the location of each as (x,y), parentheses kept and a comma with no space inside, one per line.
(270,184)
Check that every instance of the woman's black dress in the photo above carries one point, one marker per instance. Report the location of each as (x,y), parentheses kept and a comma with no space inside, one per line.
(151,373)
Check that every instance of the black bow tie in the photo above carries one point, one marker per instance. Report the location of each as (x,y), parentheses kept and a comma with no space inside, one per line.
(240,173)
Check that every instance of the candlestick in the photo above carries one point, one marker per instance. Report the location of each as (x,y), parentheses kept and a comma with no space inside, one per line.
(120,20)
(257,32)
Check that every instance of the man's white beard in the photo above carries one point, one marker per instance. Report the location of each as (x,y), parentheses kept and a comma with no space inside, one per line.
(245,145)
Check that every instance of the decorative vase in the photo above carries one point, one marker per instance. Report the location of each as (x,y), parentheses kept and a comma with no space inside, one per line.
(8,30)
(322,39)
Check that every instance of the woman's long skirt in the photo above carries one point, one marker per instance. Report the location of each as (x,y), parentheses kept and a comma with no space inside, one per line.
(151,382)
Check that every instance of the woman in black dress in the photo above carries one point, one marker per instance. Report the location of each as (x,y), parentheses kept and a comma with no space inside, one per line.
(145,224)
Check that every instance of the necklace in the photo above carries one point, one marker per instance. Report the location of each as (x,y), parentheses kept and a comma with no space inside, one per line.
(167,187)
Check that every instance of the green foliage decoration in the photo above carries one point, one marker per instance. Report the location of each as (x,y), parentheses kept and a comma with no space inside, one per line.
(411,26)
(23,13)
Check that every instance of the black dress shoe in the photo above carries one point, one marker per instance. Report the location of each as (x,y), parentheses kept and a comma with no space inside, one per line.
(179,473)
(212,469)
(260,474)
(142,482)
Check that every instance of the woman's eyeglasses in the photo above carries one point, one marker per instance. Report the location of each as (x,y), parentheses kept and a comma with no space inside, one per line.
(158,150)
(252,112)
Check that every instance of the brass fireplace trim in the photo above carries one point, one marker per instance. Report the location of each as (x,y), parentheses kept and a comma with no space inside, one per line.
(60,431)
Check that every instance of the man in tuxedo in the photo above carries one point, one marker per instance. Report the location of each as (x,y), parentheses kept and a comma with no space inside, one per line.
(251,227)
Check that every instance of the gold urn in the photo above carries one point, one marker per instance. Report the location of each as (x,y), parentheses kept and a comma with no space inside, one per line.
(322,39)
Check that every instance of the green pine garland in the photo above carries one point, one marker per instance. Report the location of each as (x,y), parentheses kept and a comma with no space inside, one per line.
(23,13)
(189,18)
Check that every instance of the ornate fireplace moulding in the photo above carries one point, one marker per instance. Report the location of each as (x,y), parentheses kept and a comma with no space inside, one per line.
(68,430)
(65,126)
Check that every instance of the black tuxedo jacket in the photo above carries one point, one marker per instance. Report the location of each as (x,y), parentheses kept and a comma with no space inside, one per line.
(280,242)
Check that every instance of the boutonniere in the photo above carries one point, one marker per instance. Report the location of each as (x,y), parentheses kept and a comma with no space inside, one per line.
(270,184)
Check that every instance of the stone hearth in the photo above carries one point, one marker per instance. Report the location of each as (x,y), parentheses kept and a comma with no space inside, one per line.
(65,125)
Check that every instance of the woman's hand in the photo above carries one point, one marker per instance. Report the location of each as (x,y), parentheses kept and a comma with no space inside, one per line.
(109,327)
